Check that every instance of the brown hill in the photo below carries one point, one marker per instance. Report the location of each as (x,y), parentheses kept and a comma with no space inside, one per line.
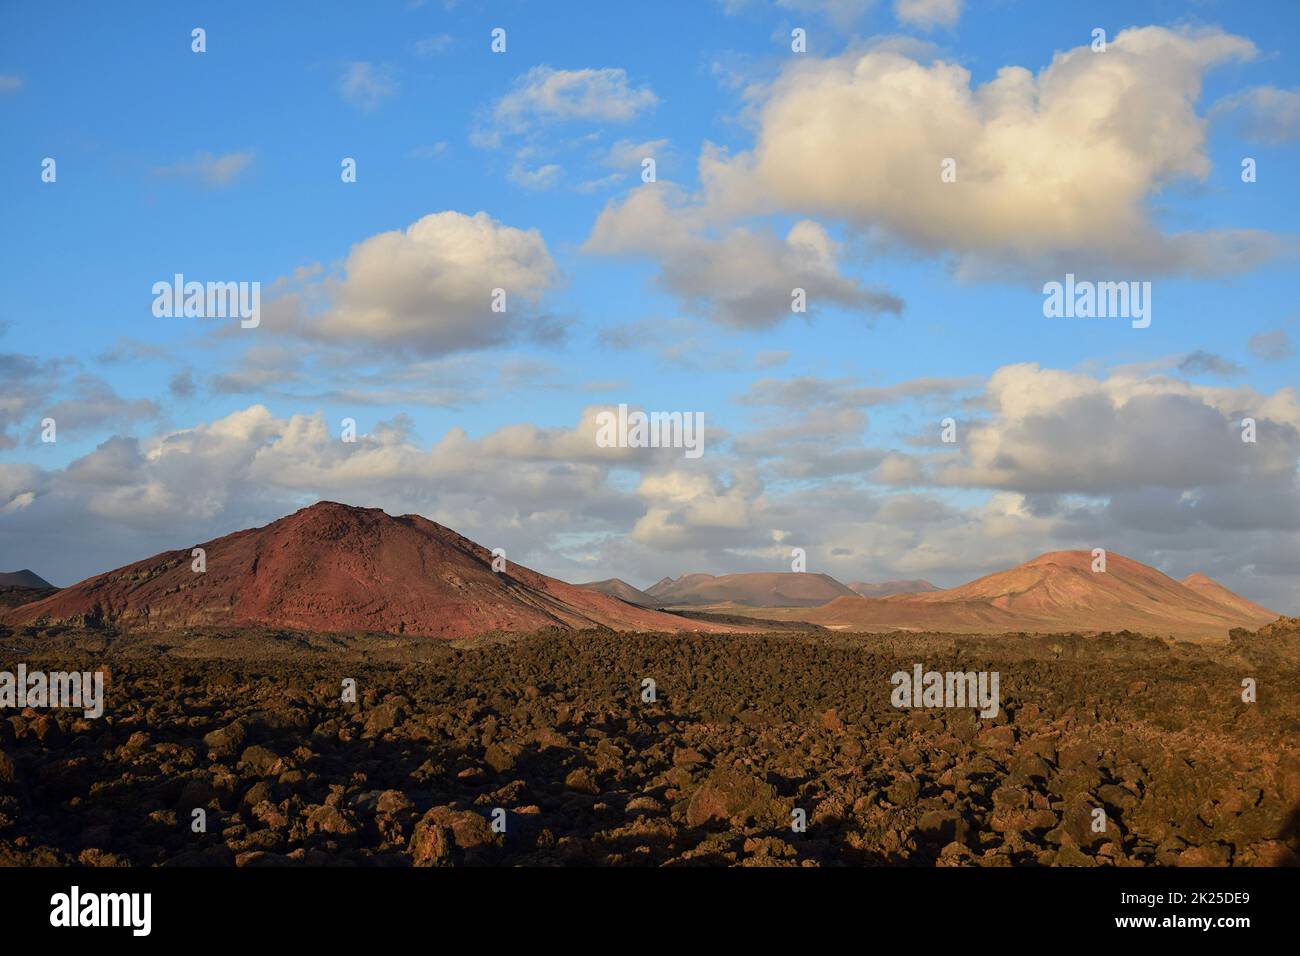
(334,568)
(668,585)
(617,587)
(23,579)
(1057,591)
(886,588)
(1216,592)
(759,589)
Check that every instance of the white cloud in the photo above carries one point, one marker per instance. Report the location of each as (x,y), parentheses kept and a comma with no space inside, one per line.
(427,288)
(629,154)
(517,486)
(737,276)
(434,45)
(928,14)
(430,151)
(807,391)
(541,178)
(1069,432)
(209,169)
(80,402)
(596,185)
(692,509)
(366,85)
(1263,114)
(545,95)
(1054,171)
(842,13)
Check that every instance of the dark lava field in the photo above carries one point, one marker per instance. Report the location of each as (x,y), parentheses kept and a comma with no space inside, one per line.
(543,750)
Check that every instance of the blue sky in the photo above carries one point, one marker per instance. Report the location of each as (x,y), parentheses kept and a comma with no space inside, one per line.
(224,166)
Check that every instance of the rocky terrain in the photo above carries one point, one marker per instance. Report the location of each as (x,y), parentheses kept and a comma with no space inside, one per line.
(553,731)
(18,595)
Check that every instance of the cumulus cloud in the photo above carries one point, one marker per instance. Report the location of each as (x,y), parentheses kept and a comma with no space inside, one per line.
(876,127)
(1068,432)
(685,510)
(738,276)
(427,289)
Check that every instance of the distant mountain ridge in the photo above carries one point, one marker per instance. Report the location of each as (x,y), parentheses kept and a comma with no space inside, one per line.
(23,579)
(617,587)
(1057,591)
(886,588)
(332,568)
(755,589)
